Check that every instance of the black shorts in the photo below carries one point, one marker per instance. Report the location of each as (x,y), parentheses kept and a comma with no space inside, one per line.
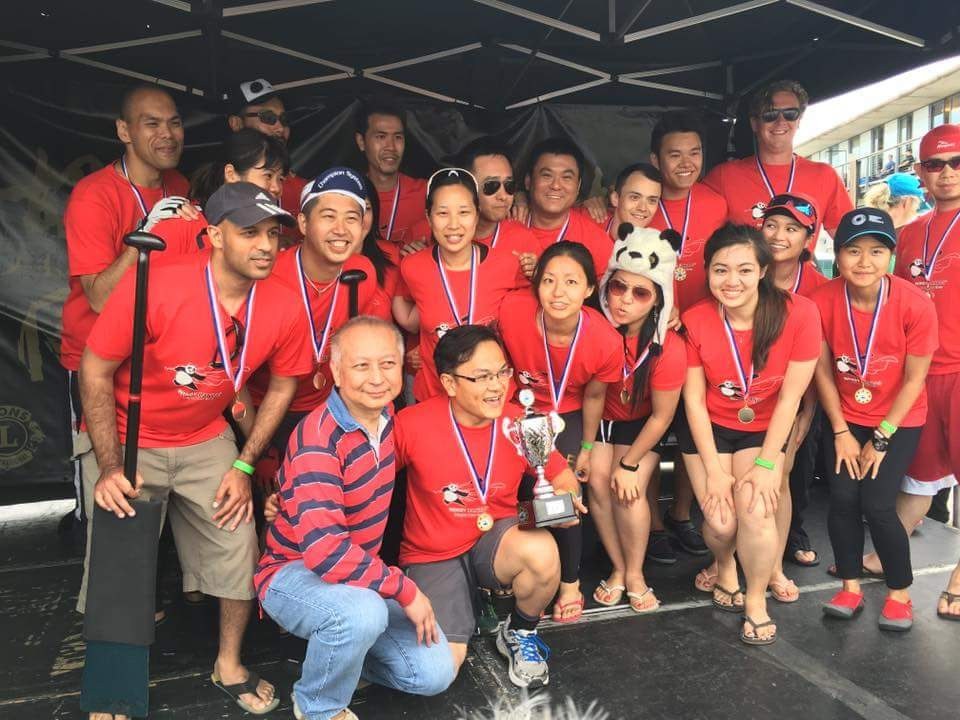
(624,432)
(727,440)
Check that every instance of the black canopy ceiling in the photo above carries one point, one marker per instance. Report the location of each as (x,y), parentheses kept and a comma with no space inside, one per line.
(708,53)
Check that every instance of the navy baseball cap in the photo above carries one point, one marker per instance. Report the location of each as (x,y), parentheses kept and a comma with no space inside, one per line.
(340,180)
(865,221)
(244,204)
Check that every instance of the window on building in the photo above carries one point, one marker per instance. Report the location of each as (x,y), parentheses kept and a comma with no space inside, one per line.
(876,139)
(854,146)
(905,128)
(945,111)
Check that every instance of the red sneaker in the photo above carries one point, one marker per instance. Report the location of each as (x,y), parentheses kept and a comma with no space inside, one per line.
(896,615)
(844,605)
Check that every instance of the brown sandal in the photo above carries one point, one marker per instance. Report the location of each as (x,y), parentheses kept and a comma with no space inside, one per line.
(951,598)
(753,638)
(733,607)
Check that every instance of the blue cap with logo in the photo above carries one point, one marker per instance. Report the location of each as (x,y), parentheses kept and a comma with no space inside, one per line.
(340,180)
(865,221)
(904,185)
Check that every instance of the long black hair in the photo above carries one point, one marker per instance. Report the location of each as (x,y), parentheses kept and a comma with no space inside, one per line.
(370,247)
(244,149)
(573,250)
(771,311)
(641,376)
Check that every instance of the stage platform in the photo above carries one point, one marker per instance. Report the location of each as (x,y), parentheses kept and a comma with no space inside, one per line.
(684,661)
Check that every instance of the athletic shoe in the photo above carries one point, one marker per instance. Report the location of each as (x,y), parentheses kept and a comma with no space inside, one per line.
(844,605)
(488,623)
(686,534)
(896,616)
(659,549)
(527,655)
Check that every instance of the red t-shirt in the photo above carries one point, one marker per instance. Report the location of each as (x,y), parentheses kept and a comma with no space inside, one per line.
(293,186)
(583,230)
(741,185)
(189,235)
(943,285)
(810,279)
(598,355)
(496,276)
(707,347)
(101,210)
(708,211)
(285,270)
(907,326)
(443,502)
(395,228)
(184,395)
(668,370)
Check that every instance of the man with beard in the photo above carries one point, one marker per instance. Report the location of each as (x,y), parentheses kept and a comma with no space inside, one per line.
(748,184)
(212,318)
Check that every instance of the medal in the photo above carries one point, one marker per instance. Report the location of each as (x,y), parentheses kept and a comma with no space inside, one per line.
(481,483)
(796,283)
(624,395)
(629,370)
(766,180)
(927,268)
(680,274)
(863,396)
(745,414)
(449,294)
(319,345)
(609,224)
(136,191)
(238,410)
(557,388)
(393,213)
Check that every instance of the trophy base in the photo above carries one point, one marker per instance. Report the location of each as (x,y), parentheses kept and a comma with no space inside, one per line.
(546,511)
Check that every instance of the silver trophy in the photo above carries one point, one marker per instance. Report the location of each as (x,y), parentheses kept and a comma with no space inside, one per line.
(534,435)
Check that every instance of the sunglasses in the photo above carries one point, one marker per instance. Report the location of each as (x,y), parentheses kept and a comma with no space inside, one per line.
(490,187)
(618,288)
(269,117)
(774,114)
(798,204)
(235,329)
(936,164)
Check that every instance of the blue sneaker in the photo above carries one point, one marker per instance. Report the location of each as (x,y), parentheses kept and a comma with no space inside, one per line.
(527,654)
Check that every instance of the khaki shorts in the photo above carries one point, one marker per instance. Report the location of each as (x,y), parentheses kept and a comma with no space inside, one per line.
(214,561)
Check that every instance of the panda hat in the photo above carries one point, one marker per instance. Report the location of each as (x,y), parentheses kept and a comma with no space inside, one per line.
(652,254)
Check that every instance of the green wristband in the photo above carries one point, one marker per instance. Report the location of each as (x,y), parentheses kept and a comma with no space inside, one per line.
(243,467)
(888,428)
(763,463)
(586,445)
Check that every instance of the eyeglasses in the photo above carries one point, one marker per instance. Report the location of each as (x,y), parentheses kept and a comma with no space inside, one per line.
(269,117)
(799,204)
(618,288)
(937,165)
(774,114)
(235,329)
(490,187)
(487,378)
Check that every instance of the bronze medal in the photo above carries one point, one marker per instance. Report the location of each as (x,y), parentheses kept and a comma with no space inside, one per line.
(319,380)
(239,411)
(484,522)
(746,415)
(624,396)
(863,396)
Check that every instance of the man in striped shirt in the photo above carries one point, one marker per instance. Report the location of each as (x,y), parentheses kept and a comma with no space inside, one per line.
(320,576)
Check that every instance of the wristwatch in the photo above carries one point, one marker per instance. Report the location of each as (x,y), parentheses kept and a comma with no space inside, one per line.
(880,441)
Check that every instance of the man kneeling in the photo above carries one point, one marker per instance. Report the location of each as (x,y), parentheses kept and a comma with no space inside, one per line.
(460,529)
(320,576)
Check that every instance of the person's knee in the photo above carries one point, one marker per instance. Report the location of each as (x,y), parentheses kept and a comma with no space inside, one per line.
(540,555)
(439,671)
(362,620)
(724,532)
(600,488)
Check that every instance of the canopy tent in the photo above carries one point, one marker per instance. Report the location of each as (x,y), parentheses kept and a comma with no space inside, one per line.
(598,72)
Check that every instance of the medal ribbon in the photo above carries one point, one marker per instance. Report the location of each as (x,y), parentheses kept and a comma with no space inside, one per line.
(628,371)
(393,212)
(556,390)
(796,283)
(448,289)
(235,377)
(318,346)
(686,220)
(863,361)
(136,191)
(766,179)
(496,236)
(745,380)
(563,228)
(480,482)
(928,266)
(609,224)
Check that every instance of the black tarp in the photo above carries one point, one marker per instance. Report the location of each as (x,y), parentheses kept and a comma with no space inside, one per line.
(58,113)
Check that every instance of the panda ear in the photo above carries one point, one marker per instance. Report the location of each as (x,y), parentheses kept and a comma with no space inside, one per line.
(672,237)
(624,230)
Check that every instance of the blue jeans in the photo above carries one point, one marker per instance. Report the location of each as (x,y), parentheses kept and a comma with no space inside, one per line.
(350,632)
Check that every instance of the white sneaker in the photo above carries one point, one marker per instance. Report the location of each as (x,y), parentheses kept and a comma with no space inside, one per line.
(527,655)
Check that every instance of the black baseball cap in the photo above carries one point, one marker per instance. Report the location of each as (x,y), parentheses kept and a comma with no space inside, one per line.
(865,221)
(251,92)
(244,204)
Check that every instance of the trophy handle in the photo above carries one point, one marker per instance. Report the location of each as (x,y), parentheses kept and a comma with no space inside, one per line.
(557,423)
(512,432)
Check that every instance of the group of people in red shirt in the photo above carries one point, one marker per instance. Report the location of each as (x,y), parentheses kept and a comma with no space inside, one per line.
(673,306)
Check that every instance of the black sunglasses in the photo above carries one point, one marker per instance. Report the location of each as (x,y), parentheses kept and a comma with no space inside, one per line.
(772,115)
(936,164)
(236,329)
(269,117)
(490,187)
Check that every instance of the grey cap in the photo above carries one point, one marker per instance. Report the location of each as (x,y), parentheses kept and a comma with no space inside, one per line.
(244,204)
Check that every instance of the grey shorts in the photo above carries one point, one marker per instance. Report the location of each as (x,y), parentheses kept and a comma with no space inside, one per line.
(451,585)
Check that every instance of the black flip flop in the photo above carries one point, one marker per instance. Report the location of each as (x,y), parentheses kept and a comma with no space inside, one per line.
(247,686)
(950,598)
(794,547)
(754,639)
(864,573)
(732,607)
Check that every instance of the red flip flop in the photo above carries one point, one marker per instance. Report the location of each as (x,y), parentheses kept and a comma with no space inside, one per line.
(559,607)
